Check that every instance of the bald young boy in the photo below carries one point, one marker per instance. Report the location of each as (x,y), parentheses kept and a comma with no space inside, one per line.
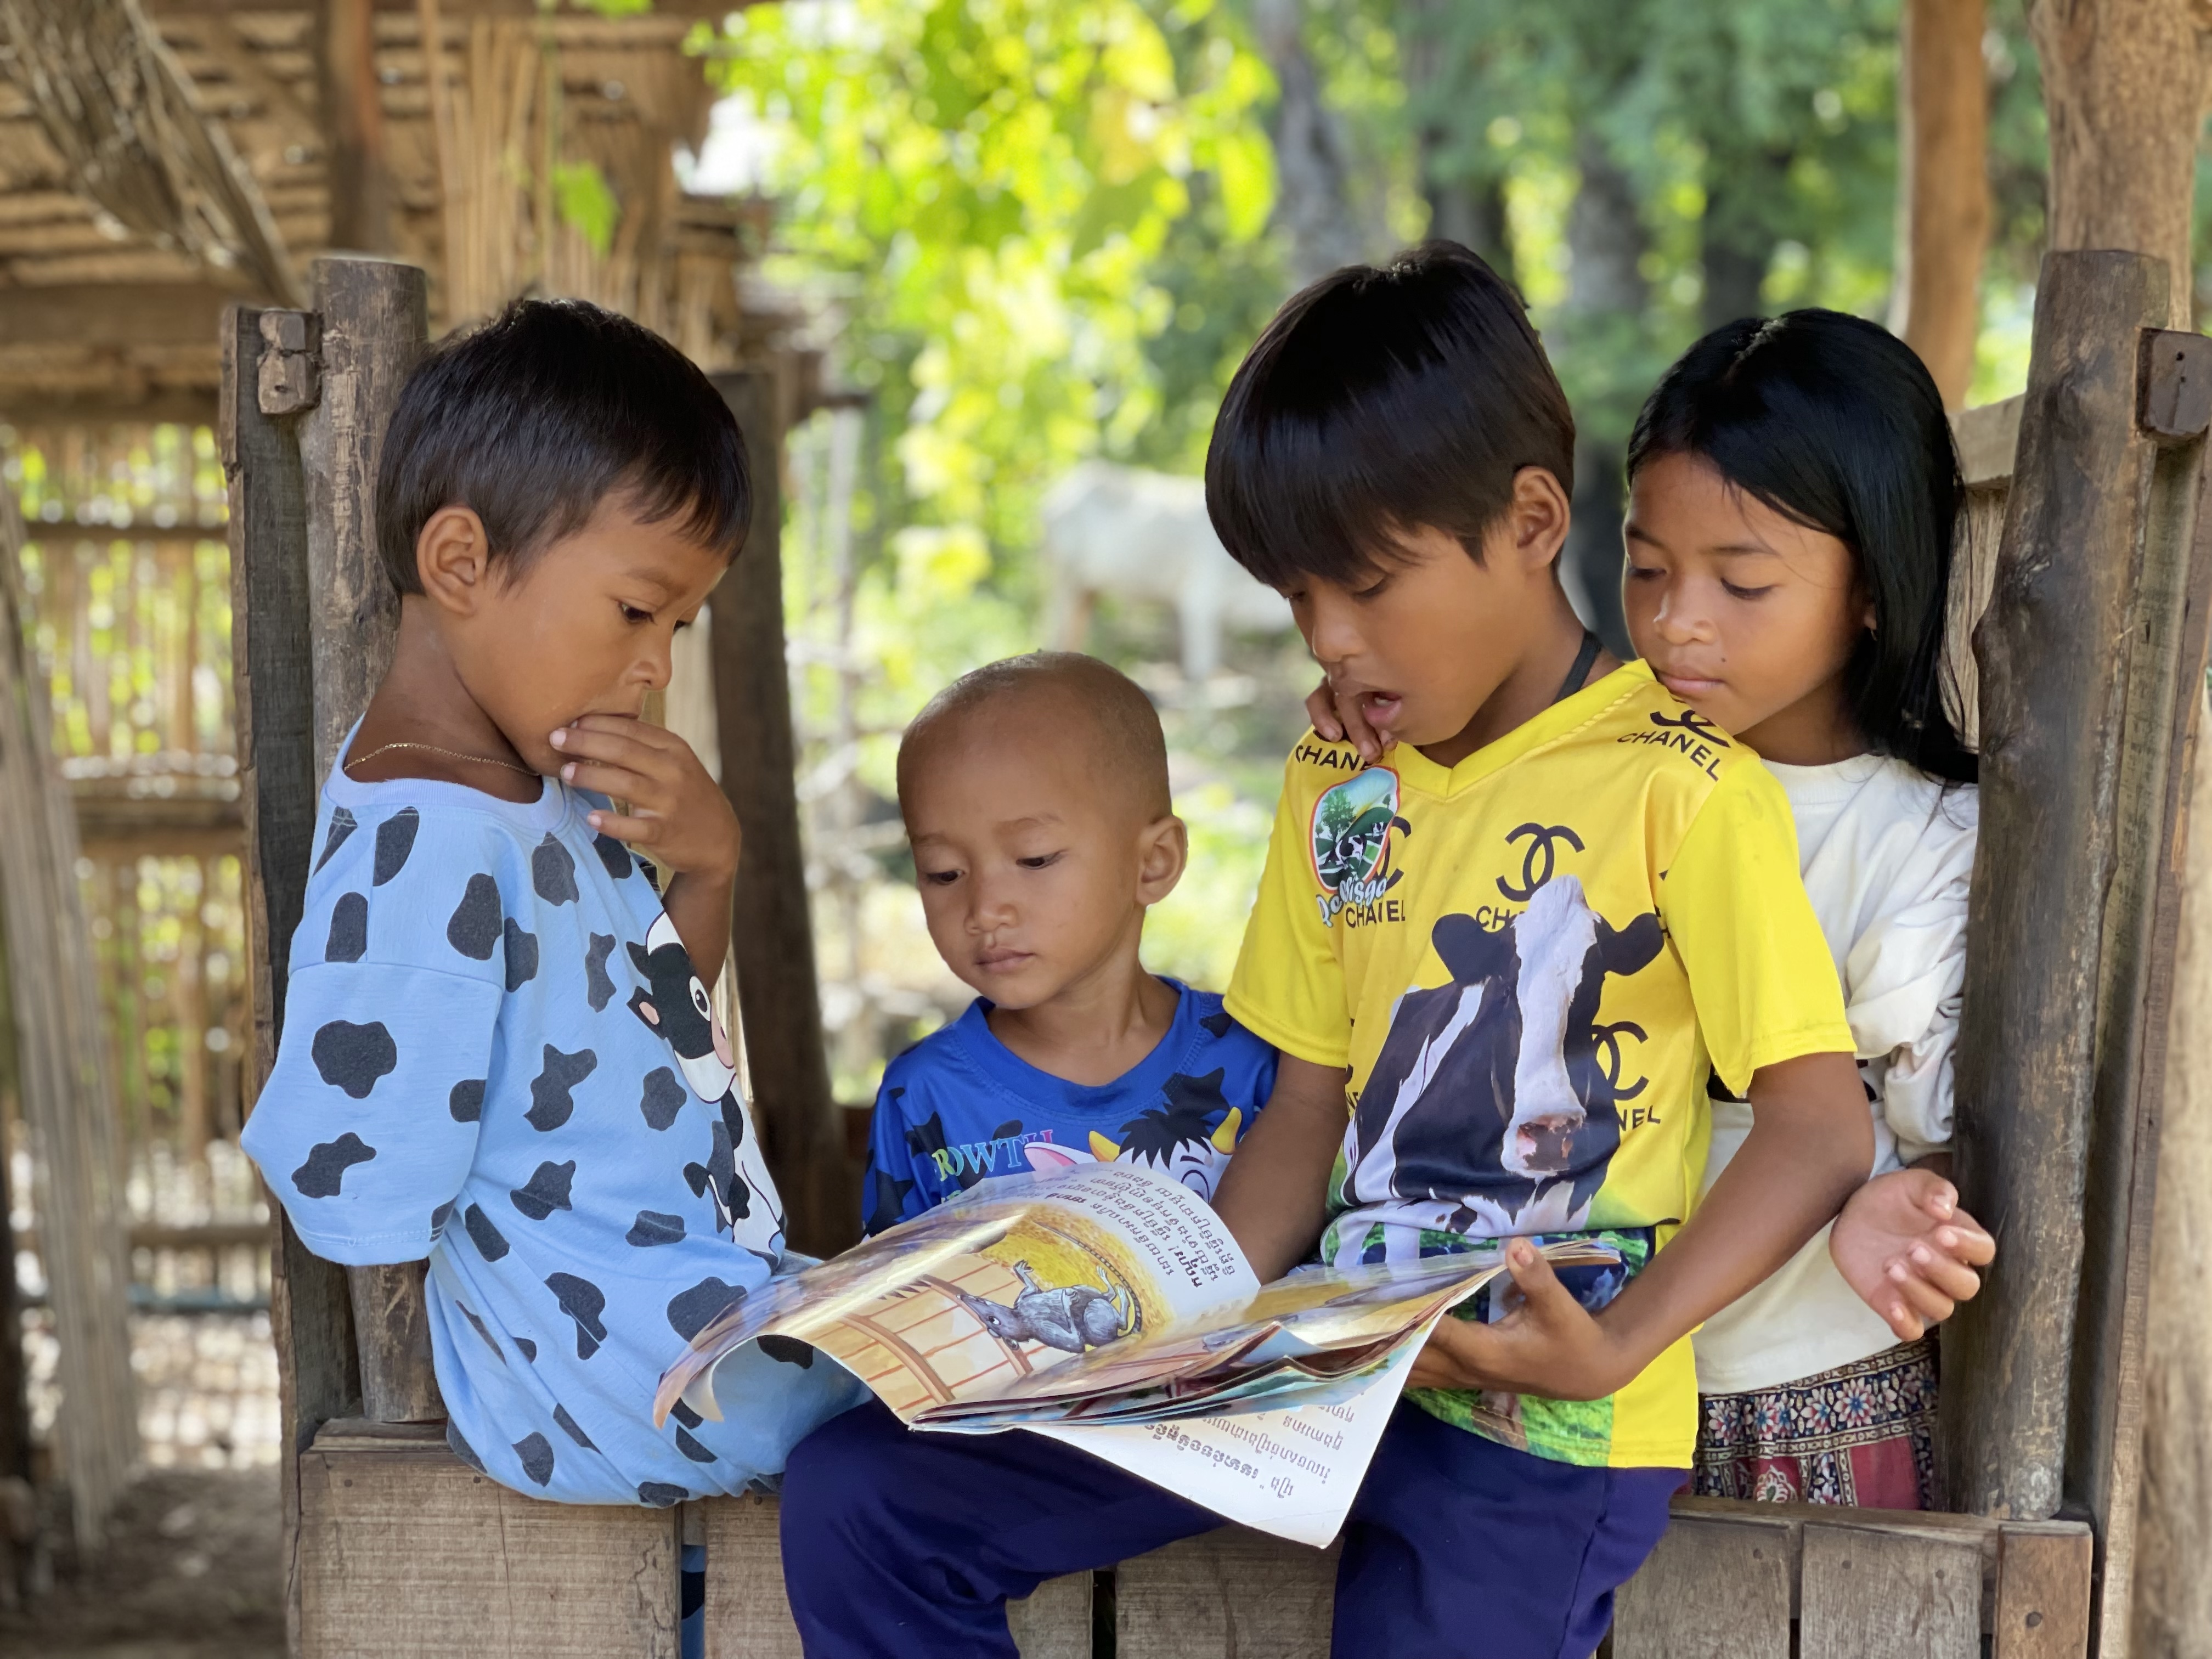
(1036,796)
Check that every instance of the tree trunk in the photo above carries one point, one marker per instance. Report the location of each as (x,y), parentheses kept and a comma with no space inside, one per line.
(2124,88)
(353,126)
(1466,204)
(1312,159)
(1737,245)
(1943,190)
(1606,295)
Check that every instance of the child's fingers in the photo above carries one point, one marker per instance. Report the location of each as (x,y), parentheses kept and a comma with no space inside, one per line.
(1904,1324)
(615,781)
(1924,1298)
(1538,1286)
(1965,1240)
(637,830)
(632,748)
(1954,1278)
(1321,711)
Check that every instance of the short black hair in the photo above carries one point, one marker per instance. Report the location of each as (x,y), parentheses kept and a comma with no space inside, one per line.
(535,417)
(1383,398)
(1835,423)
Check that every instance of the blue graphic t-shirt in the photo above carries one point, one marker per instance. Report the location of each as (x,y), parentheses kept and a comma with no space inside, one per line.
(960,1106)
(495,1054)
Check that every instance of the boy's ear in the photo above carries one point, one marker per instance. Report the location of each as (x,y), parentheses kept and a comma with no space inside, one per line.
(1536,518)
(452,559)
(1162,851)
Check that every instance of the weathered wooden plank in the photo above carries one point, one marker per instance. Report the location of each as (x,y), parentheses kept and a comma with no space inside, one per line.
(2043,1591)
(1747,1566)
(2165,648)
(374,325)
(1224,1594)
(2053,695)
(1875,1594)
(749,1618)
(405,1551)
(772,940)
(310,1314)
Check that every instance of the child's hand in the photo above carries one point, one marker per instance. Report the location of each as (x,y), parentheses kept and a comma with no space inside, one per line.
(1904,1245)
(1547,1345)
(677,813)
(1344,723)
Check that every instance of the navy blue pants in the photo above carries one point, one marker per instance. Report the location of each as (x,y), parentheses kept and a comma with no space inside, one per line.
(905,1546)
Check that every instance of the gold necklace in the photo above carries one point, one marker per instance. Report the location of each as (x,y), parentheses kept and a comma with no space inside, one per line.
(432,748)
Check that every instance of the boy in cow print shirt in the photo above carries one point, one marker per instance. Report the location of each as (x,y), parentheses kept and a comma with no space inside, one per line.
(1498,966)
(1036,796)
(497,1052)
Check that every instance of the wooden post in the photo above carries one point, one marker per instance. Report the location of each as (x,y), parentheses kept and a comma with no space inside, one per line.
(264,387)
(68,1090)
(2054,693)
(2123,90)
(353,122)
(1943,188)
(772,940)
(374,327)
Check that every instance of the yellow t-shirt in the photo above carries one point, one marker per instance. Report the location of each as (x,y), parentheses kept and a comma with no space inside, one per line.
(1528,961)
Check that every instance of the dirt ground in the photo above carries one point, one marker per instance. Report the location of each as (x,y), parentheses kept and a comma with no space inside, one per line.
(190,1572)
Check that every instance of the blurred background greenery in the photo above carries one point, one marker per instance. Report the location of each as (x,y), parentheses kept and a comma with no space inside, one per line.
(1035,233)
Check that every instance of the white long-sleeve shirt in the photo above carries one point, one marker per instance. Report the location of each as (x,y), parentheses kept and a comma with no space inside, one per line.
(1887,855)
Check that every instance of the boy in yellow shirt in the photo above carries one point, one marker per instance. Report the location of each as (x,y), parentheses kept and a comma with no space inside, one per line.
(1508,954)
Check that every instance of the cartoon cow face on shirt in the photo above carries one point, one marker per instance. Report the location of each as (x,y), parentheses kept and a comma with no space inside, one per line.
(674,1002)
(1488,1101)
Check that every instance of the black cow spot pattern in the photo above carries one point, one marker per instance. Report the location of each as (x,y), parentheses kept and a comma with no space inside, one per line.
(482,1330)
(684,1415)
(490,1242)
(342,824)
(1218,1023)
(536,1452)
(652,1228)
(548,1190)
(348,939)
(325,1170)
(474,929)
(550,1104)
(462,1449)
(691,1311)
(789,1350)
(613,854)
(439,1216)
(353,1057)
(583,1302)
(691,1448)
(521,956)
(568,1425)
(553,872)
(526,1348)
(466,1101)
(598,989)
(395,840)
(660,1495)
(663,1097)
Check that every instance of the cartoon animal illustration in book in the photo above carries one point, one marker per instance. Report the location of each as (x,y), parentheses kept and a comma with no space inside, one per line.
(1188,1137)
(1069,1317)
(674,1002)
(1491,1105)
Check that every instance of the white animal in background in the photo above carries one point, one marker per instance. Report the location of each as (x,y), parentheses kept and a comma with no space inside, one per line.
(1140,535)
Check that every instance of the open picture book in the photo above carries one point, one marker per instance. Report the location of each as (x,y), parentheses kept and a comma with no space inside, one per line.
(1109,1308)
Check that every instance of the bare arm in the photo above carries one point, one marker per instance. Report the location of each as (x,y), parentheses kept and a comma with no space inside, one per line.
(1807,1152)
(1273,1194)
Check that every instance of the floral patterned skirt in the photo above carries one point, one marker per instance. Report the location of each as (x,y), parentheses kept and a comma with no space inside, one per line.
(1862,1434)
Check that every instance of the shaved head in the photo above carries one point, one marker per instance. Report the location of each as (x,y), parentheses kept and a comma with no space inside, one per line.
(1078,702)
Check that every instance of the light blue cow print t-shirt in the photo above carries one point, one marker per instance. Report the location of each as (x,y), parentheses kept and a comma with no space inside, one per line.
(495,1054)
